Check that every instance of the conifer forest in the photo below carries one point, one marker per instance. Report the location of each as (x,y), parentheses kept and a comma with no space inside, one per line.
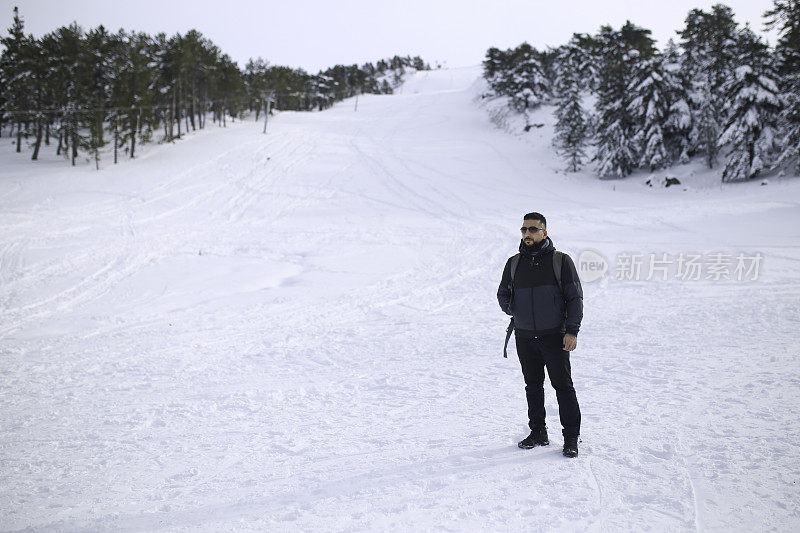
(720,93)
(75,90)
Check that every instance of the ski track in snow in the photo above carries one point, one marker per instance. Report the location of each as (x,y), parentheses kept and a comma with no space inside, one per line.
(299,331)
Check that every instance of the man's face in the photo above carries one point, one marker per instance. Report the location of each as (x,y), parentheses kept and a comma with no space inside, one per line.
(533,232)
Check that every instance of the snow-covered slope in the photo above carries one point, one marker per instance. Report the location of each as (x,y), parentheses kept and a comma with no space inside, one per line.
(299,331)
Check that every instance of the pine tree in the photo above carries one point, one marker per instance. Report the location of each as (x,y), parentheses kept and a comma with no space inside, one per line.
(493,68)
(39,92)
(708,41)
(571,127)
(140,119)
(527,84)
(194,74)
(255,77)
(65,53)
(588,73)
(649,109)
(789,123)
(616,151)
(130,97)
(17,75)
(519,74)
(678,124)
(97,80)
(785,15)
(752,111)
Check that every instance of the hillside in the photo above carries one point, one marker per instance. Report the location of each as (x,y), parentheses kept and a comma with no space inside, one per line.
(299,330)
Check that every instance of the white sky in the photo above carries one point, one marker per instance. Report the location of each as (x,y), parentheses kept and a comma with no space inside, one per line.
(314,34)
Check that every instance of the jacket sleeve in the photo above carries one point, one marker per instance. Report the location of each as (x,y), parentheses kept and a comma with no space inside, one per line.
(573,295)
(503,292)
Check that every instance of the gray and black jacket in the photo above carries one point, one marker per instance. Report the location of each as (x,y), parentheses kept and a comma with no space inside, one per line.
(533,297)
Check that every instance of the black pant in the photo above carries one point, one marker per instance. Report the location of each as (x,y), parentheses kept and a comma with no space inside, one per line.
(534,354)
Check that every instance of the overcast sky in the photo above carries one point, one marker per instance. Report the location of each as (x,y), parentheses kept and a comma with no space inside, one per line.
(314,34)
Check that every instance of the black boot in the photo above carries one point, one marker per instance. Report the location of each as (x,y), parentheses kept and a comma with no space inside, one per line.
(570,446)
(538,437)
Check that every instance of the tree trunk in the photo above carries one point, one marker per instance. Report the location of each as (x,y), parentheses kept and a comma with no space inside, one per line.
(60,137)
(179,108)
(194,105)
(38,139)
(74,131)
(116,137)
(99,140)
(47,133)
(100,134)
(172,116)
(133,133)
(19,136)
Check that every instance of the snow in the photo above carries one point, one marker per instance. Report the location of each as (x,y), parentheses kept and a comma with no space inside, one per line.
(299,331)
(742,71)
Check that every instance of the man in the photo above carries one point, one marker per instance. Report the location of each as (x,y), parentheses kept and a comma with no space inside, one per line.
(546,311)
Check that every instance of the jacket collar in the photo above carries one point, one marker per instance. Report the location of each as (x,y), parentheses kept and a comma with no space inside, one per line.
(546,245)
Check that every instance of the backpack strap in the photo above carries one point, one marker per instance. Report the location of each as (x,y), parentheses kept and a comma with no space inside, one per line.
(558,262)
(514,263)
(509,330)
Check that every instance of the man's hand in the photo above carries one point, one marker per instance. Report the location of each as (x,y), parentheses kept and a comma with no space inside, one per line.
(570,342)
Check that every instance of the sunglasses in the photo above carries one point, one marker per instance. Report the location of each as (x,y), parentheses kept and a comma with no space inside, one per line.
(532,229)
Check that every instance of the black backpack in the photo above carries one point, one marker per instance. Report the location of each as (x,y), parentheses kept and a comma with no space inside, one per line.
(558,262)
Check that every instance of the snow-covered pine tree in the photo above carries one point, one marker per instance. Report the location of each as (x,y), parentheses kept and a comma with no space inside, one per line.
(571,127)
(587,72)
(706,118)
(495,70)
(649,108)
(708,42)
(753,106)
(789,122)
(547,61)
(527,84)
(678,125)
(785,15)
(616,151)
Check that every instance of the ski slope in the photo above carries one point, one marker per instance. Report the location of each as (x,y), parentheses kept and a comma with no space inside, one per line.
(299,331)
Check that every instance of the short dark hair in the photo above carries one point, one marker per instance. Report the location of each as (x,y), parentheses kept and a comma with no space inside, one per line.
(536,216)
